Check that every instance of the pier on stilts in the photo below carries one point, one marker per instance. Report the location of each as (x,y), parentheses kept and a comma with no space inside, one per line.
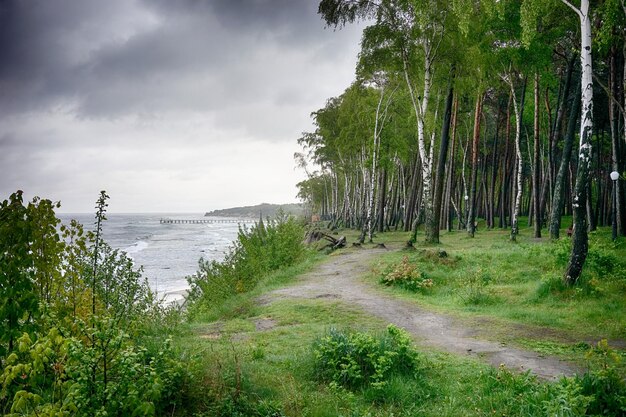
(204,221)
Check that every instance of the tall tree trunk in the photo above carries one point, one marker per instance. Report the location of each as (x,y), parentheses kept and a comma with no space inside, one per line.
(413,195)
(580,241)
(537,166)
(395,196)
(559,183)
(519,112)
(505,166)
(420,108)
(451,172)
(494,175)
(557,128)
(463,218)
(621,183)
(471,218)
(591,215)
(441,164)
(366,193)
(382,197)
(615,148)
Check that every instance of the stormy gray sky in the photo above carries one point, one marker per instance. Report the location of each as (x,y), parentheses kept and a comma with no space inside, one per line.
(169,105)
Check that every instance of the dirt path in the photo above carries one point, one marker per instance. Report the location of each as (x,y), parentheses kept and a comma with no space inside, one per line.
(339,279)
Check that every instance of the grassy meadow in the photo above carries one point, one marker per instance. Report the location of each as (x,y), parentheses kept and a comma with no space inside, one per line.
(259,357)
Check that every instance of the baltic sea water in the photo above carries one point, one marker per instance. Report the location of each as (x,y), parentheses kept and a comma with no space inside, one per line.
(167,252)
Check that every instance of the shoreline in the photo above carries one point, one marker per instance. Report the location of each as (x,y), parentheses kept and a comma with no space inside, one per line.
(176,298)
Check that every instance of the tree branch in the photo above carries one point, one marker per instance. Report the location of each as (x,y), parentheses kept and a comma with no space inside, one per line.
(574,8)
(609,94)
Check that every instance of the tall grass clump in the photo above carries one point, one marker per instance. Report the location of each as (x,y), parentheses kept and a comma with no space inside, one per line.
(372,364)
(601,391)
(257,251)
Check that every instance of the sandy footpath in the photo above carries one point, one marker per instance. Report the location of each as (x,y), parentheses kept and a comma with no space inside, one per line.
(339,279)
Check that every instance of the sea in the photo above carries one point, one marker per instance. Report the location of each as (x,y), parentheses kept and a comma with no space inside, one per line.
(168,252)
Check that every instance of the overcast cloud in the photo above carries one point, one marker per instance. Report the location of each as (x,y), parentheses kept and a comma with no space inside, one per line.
(169,105)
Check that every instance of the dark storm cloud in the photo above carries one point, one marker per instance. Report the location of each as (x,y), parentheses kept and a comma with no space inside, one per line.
(190,55)
(41,44)
(164,96)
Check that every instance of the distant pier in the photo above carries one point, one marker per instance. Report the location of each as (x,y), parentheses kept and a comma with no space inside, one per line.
(204,221)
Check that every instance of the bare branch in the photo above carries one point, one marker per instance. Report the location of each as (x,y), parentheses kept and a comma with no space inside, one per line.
(608,93)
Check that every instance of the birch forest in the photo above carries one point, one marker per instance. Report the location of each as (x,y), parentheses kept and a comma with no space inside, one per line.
(471,114)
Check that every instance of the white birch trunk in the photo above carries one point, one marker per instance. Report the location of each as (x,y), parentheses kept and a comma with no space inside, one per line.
(580,239)
(518,157)
(420,113)
(364,195)
(372,179)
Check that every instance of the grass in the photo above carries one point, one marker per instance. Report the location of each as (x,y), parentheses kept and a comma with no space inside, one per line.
(509,290)
(276,366)
(520,283)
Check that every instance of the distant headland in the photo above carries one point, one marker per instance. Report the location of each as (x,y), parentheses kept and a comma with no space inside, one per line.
(264,209)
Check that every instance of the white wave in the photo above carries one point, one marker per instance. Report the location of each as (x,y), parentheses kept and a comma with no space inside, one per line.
(136,247)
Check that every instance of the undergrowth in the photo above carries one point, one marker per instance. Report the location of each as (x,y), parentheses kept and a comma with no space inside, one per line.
(405,275)
(523,282)
(257,251)
(356,359)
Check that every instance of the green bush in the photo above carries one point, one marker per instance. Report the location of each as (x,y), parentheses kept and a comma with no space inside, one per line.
(509,393)
(565,399)
(243,406)
(55,375)
(405,275)
(550,284)
(601,262)
(561,250)
(355,360)
(259,250)
(553,285)
(603,383)
(77,340)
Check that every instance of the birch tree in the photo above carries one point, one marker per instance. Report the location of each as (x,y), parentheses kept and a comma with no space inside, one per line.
(409,30)
(580,243)
(518,109)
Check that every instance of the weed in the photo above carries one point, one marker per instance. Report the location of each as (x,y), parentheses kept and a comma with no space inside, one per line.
(257,352)
(406,275)
(355,360)
(474,289)
(603,383)
(566,399)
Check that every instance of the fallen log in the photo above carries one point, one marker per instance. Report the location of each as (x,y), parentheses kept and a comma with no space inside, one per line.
(334,243)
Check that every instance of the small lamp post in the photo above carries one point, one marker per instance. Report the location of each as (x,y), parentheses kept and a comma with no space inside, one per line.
(614,177)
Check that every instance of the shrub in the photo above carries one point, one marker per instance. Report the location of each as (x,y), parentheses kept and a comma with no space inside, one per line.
(256,252)
(406,275)
(80,350)
(63,376)
(603,383)
(566,399)
(360,360)
(601,262)
(553,285)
